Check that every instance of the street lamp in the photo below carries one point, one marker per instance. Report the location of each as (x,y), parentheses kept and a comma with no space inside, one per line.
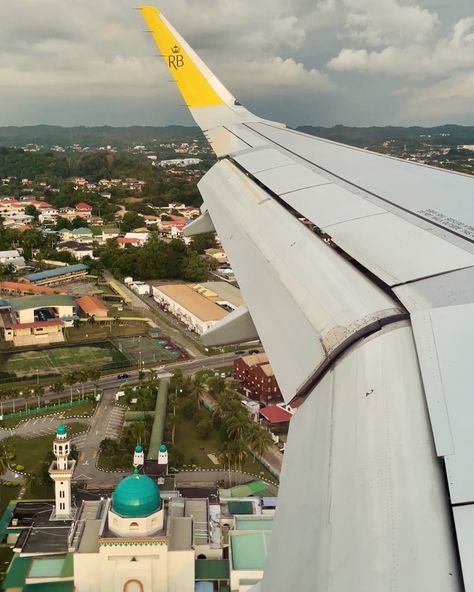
(37,376)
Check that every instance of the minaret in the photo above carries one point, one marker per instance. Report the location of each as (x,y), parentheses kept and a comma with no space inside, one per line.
(138,456)
(61,471)
(163,455)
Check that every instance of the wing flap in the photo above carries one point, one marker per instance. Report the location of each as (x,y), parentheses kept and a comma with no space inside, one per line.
(288,278)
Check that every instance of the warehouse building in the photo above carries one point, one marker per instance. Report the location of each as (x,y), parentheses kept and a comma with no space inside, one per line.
(194,305)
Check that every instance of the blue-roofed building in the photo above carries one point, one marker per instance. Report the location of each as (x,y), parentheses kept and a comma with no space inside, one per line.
(51,277)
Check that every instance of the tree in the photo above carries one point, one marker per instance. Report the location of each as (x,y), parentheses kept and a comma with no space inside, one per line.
(71,379)
(138,430)
(30,210)
(202,242)
(260,439)
(236,425)
(130,221)
(58,387)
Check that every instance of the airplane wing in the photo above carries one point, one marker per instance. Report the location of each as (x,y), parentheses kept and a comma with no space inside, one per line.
(357,272)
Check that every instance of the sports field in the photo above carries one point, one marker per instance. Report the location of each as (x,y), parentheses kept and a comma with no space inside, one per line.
(61,360)
(149,350)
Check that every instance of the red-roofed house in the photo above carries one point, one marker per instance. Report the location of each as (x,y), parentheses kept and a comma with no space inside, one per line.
(92,306)
(84,210)
(123,241)
(275,414)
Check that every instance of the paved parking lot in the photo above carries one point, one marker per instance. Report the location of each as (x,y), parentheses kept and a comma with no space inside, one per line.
(115,423)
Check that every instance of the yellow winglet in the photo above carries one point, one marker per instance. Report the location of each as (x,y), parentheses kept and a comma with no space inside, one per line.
(189,73)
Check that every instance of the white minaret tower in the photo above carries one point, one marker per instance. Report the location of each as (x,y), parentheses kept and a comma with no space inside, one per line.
(61,471)
(138,456)
(163,455)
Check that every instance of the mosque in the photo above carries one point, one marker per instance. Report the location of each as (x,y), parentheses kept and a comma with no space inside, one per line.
(137,538)
(133,541)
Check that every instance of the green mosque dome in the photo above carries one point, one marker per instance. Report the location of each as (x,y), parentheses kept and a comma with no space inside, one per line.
(163,448)
(138,448)
(61,430)
(136,496)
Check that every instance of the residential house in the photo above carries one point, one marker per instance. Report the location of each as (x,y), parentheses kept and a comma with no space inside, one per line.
(84,210)
(80,235)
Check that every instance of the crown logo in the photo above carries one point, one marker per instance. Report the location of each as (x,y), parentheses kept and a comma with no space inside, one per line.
(176,49)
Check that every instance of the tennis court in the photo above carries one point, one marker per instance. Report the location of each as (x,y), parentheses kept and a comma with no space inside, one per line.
(146,349)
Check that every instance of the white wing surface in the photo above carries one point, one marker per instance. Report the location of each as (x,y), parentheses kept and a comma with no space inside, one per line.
(357,272)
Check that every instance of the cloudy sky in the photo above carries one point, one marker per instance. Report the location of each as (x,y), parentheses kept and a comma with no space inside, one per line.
(320,62)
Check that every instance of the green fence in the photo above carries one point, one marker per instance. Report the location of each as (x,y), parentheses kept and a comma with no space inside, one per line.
(23,413)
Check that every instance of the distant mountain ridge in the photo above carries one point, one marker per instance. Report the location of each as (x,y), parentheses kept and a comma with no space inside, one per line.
(52,135)
(121,137)
(448,134)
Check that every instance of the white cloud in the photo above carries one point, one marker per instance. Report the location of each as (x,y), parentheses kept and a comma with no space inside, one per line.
(387,22)
(445,99)
(282,75)
(326,6)
(416,60)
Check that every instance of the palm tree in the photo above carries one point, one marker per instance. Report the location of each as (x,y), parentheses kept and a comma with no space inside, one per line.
(71,378)
(197,392)
(260,439)
(236,425)
(138,430)
(94,375)
(58,387)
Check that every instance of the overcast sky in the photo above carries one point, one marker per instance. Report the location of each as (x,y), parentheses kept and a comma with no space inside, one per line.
(320,62)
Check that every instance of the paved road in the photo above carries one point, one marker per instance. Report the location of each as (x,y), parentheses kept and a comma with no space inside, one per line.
(142,305)
(107,422)
(112,382)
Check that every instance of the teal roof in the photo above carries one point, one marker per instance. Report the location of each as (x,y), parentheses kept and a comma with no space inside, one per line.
(82,230)
(163,448)
(56,272)
(138,448)
(136,496)
(61,430)
(41,301)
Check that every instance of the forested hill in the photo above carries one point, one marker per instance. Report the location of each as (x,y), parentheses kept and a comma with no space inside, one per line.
(122,137)
(448,135)
(55,135)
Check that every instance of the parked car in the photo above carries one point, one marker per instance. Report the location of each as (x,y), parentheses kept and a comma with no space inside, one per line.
(123,376)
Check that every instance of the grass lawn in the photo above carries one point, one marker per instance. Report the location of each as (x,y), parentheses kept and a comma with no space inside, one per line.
(30,452)
(6,554)
(7,494)
(105,330)
(85,409)
(62,359)
(195,450)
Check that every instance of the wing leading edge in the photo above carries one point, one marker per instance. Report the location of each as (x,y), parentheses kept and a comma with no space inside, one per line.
(357,273)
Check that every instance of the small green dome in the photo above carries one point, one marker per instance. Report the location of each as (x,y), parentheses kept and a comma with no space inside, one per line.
(61,430)
(138,448)
(136,496)
(163,448)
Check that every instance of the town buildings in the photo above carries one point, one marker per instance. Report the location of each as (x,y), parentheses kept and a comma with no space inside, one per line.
(198,306)
(256,377)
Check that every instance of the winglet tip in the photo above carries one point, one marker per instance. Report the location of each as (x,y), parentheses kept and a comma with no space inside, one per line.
(145,8)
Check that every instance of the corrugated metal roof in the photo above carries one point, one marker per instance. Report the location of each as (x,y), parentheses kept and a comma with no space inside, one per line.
(58,271)
(40,301)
